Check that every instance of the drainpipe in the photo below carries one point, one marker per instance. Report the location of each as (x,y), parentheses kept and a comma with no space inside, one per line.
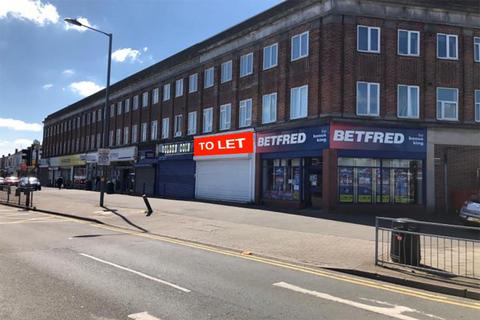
(445,179)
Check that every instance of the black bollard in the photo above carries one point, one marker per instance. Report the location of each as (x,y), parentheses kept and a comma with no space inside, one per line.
(149,208)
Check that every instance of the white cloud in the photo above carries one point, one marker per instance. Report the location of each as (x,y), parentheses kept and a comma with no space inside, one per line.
(84,88)
(32,10)
(145,49)
(68,72)
(82,20)
(19,125)
(7,146)
(47,86)
(121,55)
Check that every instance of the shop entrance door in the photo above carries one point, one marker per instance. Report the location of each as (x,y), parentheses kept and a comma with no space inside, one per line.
(314,180)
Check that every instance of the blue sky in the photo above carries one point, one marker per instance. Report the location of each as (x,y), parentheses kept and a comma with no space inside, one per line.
(45,65)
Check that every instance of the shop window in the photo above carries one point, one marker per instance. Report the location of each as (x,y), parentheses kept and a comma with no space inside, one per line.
(282,179)
(447,46)
(408,43)
(375,181)
(408,98)
(447,104)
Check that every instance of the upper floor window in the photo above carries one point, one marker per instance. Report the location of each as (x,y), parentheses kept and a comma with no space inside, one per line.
(135,102)
(270,56)
(112,112)
(207,120)
(145,99)
(99,117)
(477,105)
(134,133)
(153,130)
(178,125)
(193,83)
(476,49)
(165,128)
(299,102)
(119,108)
(166,92)
(144,131)
(408,43)
(179,88)
(368,39)
(368,99)
(155,95)
(226,71)
(246,64)
(126,135)
(408,100)
(208,78)
(94,119)
(118,137)
(269,108)
(192,122)
(225,116)
(299,46)
(447,104)
(245,113)
(127,105)
(447,46)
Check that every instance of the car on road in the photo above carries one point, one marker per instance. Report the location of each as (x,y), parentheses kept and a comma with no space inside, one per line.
(31,183)
(2,181)
(11,181)
(470,212)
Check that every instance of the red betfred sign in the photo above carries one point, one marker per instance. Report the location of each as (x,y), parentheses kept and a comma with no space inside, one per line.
(233,143)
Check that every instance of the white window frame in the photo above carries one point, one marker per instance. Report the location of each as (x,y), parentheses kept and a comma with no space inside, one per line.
(179,88)
(144,132)
(178,125)
(207,120)
(442,103)
(369,42)
(166,92)
(245,113)
(301,115)
(110,140)
(112,113)
(209,73)
(135,102)
(476,94)
(299,36)
(246,64)
(165,128)
(126,135)
(476,49)
(193,83)
(226,71)
(448,36)
(409,35)
(409,107)
(119,108)
(369,113)
(154,130)
(192,123)
(268,57)
(127,105)
(118,136)
(135,133)
(145,99)
(225,116)
(155,96)
(269,96)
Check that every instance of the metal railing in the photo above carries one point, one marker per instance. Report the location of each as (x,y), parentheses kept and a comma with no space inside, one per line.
(441,249)
(22,197)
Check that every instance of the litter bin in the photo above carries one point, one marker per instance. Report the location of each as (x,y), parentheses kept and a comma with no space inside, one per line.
(110,188)
(405,247)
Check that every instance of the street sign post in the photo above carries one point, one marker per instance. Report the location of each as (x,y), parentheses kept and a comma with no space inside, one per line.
(103,157)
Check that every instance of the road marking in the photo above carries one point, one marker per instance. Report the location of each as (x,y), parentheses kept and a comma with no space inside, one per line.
(138,273)
(393,305)
(393,311)
(142,316)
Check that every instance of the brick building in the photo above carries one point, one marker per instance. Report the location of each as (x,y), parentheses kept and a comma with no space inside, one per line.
(364,105)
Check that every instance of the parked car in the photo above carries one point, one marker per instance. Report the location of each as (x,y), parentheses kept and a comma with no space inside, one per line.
(470,212)
(11,181)
(2,181)
(30,182)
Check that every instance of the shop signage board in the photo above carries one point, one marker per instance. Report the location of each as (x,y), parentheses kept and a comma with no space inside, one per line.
(352,137)
(232,143)
(301,139)
(103,157)
(176,148)
(123,154)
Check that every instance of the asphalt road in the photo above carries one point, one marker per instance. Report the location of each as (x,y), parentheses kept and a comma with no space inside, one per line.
(56,268)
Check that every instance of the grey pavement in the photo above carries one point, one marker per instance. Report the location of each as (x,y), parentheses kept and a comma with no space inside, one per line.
(55,268)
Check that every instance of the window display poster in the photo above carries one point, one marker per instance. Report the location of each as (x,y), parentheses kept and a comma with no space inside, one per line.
(279,178)
(296,182)
(364,188)
(346,184)
(401,185)
(383,185)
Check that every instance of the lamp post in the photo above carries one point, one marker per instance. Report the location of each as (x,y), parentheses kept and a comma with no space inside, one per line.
(105,125)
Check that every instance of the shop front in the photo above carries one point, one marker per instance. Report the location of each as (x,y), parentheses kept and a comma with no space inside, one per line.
(378,167)
(145,170)
(292,166)
(225,167)
(71,168)
(175,170)
(121,171)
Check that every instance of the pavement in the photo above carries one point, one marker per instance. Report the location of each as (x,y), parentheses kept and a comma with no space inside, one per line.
(337,241)
(57,268)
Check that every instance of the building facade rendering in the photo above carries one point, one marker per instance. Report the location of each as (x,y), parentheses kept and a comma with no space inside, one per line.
(343,105)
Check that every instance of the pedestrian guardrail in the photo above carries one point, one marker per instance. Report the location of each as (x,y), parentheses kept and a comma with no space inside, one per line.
(441,249)
(22,197)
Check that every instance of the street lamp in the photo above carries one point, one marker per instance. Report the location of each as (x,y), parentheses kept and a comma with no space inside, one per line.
(105,126)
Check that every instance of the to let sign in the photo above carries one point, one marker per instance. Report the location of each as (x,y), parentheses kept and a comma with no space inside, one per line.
(235,143)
